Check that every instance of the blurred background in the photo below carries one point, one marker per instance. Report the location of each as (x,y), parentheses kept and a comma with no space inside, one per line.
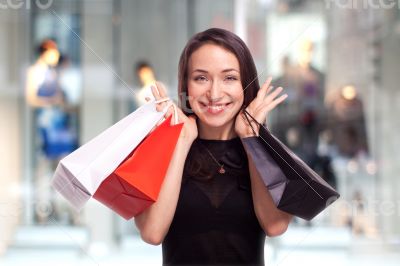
(69,69)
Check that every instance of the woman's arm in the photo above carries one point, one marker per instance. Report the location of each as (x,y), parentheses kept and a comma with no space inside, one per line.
(273,221)
(154,222)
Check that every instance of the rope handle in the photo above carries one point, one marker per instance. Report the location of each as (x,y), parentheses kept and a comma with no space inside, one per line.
(246,115)
(168,106)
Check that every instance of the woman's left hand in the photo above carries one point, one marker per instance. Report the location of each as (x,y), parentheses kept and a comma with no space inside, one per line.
(266,100)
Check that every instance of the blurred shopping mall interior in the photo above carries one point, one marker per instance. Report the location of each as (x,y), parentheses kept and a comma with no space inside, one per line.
(338,61)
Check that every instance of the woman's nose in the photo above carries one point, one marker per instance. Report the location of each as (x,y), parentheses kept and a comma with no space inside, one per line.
(215,93)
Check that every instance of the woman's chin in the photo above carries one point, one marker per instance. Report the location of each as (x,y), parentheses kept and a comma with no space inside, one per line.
(216,121)
(215,124)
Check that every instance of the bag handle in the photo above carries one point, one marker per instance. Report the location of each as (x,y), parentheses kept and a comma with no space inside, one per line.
(168,106)
(246,115)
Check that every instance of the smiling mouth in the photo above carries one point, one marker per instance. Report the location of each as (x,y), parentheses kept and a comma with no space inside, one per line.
(215,108)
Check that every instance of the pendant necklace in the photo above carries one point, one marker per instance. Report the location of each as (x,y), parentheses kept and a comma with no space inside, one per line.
(221,166)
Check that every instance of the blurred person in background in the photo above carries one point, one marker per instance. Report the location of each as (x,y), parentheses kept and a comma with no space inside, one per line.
(144,73)
(53,137)
(305,106)
(347,122)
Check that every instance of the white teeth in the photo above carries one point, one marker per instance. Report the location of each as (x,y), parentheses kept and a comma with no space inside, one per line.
(216,107)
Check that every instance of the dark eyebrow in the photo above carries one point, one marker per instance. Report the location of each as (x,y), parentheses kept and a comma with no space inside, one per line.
(223,71)
(229,70)
(200,70)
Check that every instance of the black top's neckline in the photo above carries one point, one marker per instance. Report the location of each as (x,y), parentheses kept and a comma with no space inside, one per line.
(229,153)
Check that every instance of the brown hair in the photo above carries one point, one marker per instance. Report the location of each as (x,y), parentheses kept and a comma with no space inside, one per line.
(229,41)
(45,45)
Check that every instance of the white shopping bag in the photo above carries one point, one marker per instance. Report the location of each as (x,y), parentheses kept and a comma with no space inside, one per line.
(80,174)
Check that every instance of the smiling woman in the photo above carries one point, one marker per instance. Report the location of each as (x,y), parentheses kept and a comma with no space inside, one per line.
(213,207)
(227,46)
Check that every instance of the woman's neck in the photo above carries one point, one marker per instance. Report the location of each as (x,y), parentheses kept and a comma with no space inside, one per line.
(223,132)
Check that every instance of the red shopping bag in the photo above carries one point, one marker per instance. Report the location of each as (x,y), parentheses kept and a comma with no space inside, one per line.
(135,184)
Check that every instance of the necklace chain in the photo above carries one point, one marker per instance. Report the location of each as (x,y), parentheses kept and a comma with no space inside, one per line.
(221,166)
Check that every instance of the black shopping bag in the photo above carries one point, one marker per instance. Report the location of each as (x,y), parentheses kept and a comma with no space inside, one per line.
(293,185)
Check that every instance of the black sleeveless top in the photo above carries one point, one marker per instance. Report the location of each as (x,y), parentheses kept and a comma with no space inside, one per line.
(215,222)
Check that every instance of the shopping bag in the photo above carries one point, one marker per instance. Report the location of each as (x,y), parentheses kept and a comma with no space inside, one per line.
(295,188)
(135,184)
(79,174)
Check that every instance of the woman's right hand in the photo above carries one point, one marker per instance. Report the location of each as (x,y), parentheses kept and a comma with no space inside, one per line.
(189,130)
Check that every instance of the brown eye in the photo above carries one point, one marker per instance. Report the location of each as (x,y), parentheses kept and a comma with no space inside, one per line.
(200,78)
(231,78)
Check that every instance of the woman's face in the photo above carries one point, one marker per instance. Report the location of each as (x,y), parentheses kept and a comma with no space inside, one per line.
(214,87)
